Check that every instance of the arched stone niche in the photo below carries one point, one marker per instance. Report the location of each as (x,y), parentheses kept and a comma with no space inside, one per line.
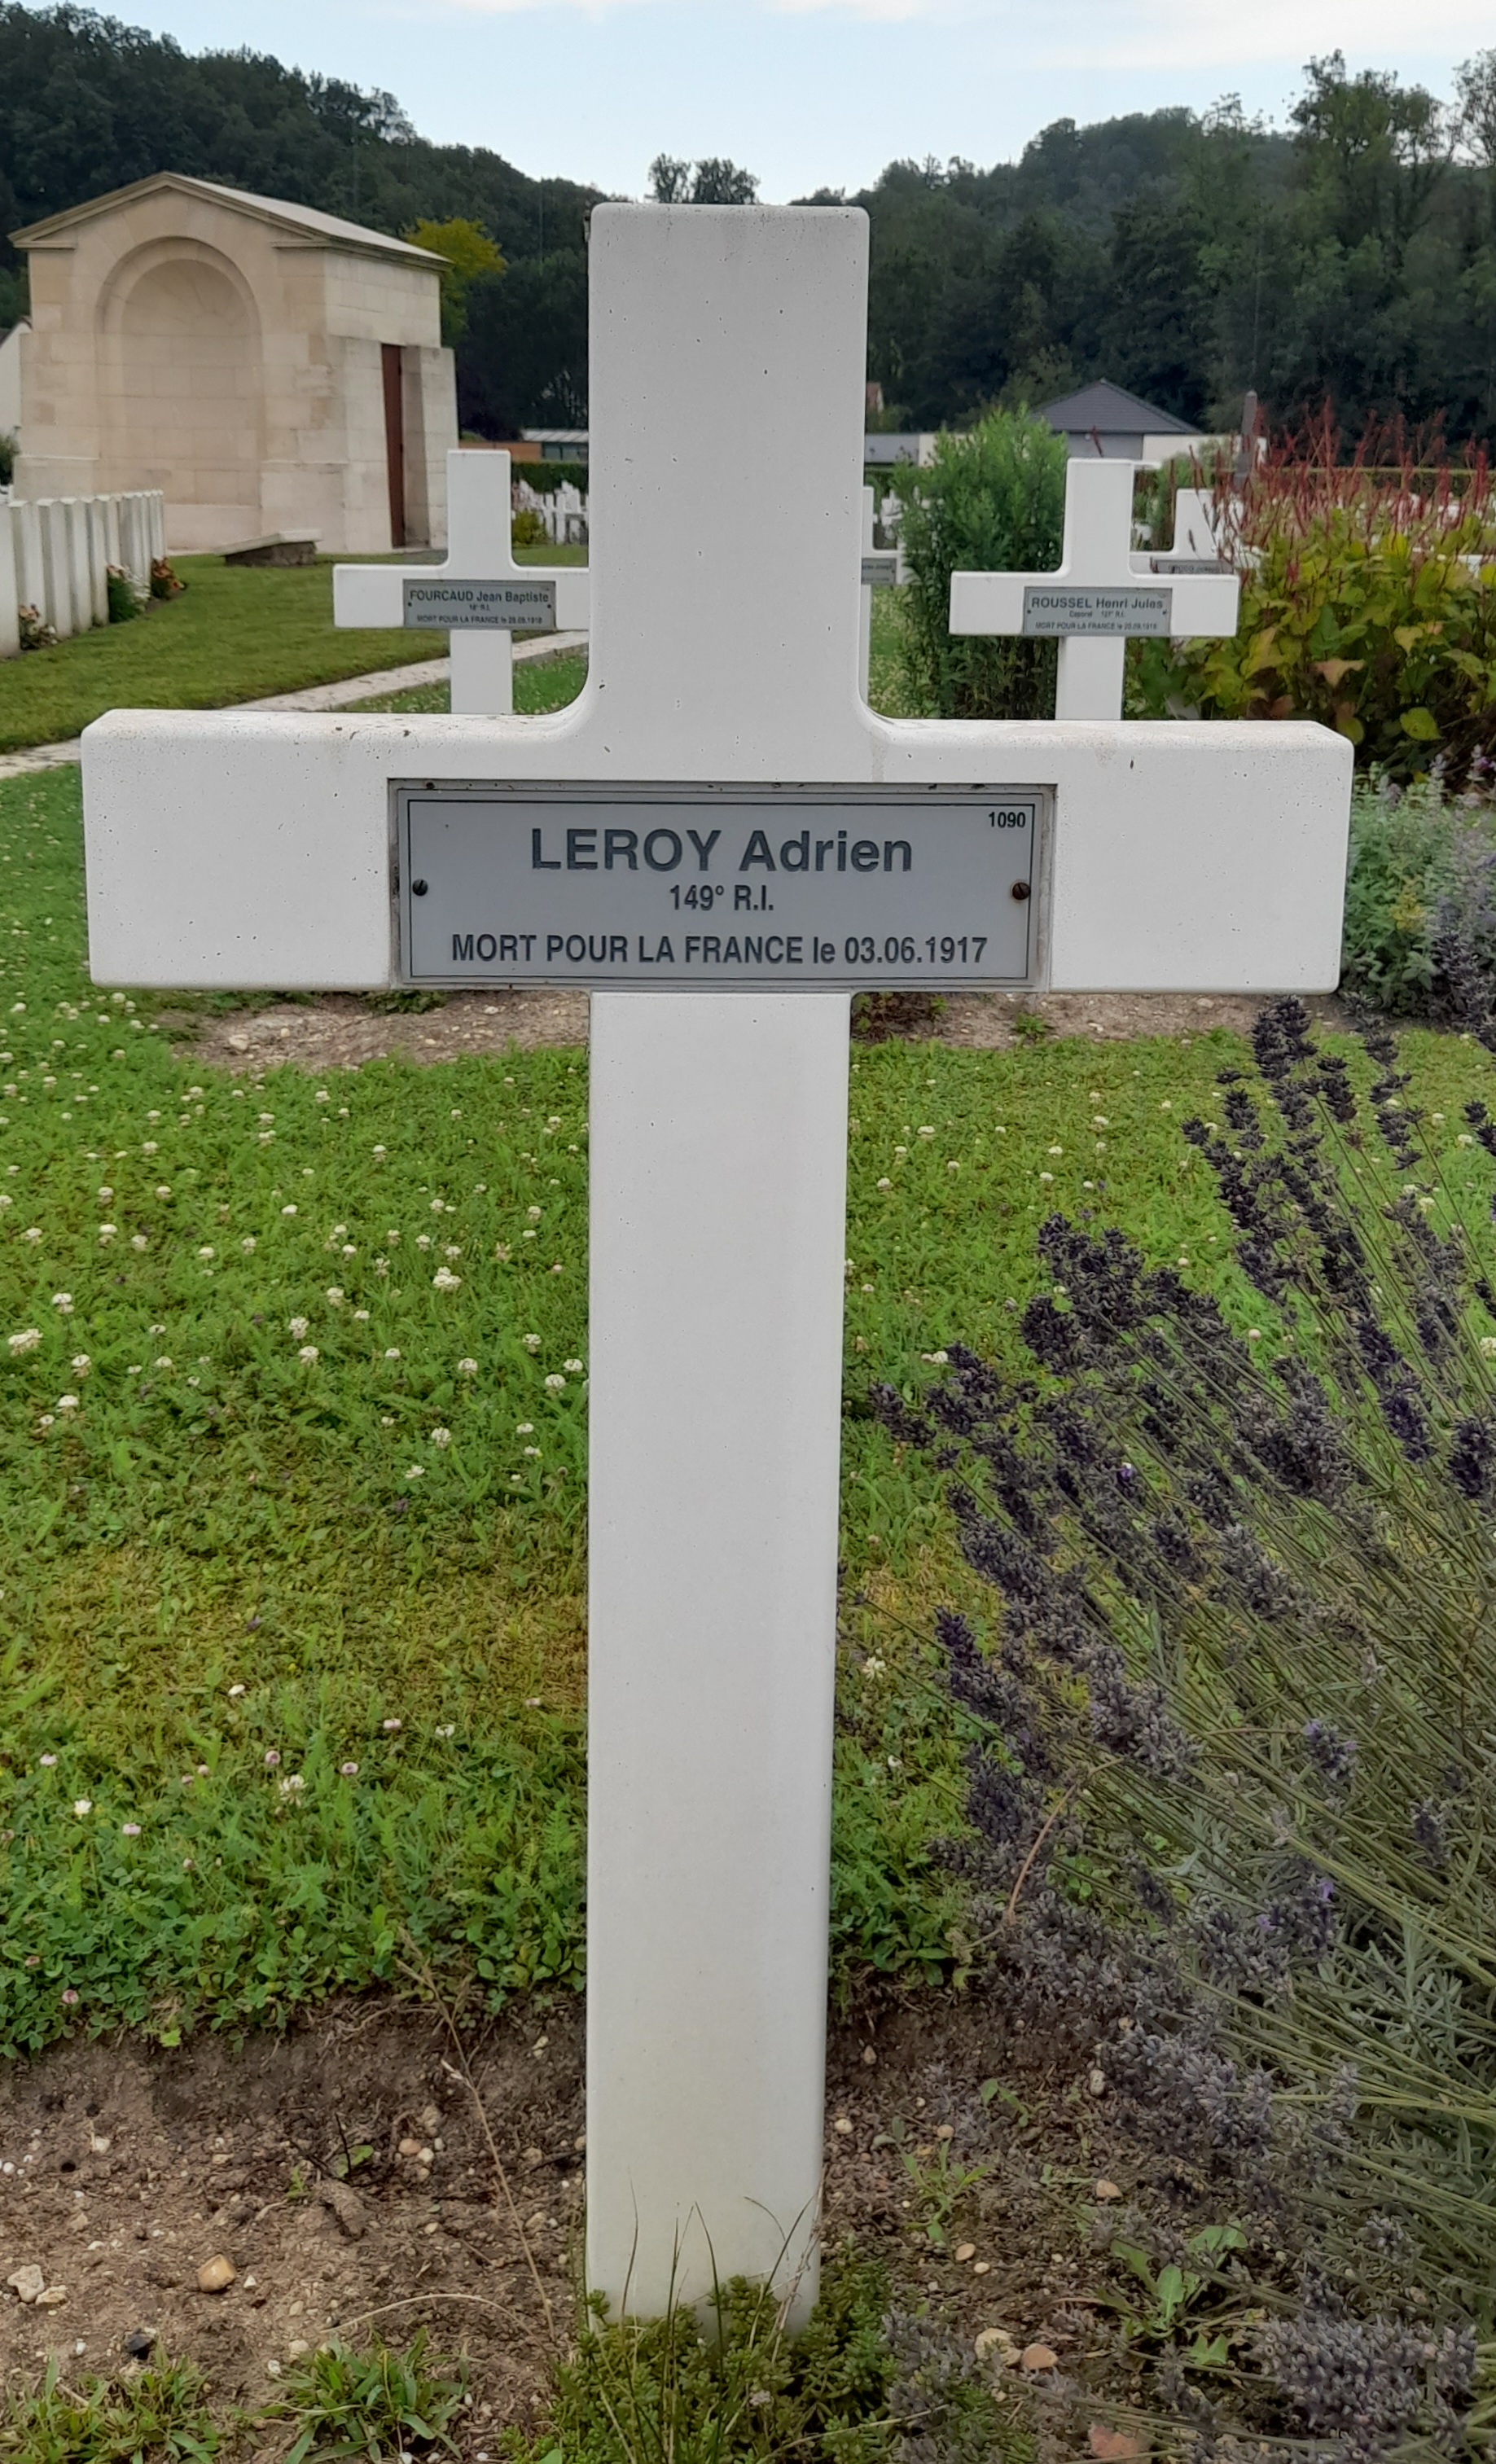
(182,388)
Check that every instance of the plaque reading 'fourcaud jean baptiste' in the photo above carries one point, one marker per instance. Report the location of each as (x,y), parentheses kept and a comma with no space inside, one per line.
(437,604)
(816,889)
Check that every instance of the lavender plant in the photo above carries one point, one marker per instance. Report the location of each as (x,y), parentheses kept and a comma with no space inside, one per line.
(1242,1665)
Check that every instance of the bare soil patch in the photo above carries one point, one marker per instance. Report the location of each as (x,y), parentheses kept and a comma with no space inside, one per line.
(342,1030)
(127,2168)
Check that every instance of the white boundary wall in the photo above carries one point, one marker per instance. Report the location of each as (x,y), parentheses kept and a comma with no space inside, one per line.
(56,554)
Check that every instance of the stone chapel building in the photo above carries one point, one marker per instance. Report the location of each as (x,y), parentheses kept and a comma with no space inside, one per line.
(270,369)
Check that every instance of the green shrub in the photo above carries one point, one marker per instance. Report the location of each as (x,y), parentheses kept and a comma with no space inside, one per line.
(1413,919)
(7,459)
(123,601)
(527,529)
(1368,602)
(992,502)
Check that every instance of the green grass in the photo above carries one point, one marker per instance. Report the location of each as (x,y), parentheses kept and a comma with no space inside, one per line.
(235,634)
(228,1552)
(539,683)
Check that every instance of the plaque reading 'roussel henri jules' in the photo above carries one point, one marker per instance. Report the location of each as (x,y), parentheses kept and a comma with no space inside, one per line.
(1067,608)
(438,605)
(819,888)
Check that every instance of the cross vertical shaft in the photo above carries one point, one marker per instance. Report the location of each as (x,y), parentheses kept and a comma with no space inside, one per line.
(717,1230)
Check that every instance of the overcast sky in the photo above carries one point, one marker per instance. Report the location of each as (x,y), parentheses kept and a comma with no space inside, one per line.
(811,92)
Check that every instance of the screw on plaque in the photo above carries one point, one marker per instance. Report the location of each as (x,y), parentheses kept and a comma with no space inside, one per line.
(418,890)
(1020,889)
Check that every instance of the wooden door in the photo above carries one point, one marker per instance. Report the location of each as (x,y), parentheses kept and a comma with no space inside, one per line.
(393,369)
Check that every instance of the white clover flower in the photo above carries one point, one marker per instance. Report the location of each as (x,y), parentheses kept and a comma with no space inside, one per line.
(502,1253)
(265,1116)
(524,1428)
(297,1326)
(391,1726)
(554,1383)
(247,1242)
(45,1421)
(393,1351)
(1167,1104)
(164,1188)
(381,1151)
(452,1250)
(574,1366)
(1102,1122)
(361,1317)
(26,1341)
(234,1691)
(415,1471)
(1054,1151)
(926,1131)
(382,1266)
(1464,1140)
(288,1210)
(63,1301)
(441,1437)
(467,1368)
(1489,1345)
(952,1167)
(448,1731)
(868,1287)
(393,1238)
(422,1240)
(322,1096)
(83,1805)
(533,1453)
(445,1281)
(163,1363)
(104,1195)
(884,1184)
(308,1354)
(1254,1334)
(349,1770)
(67,1402)
(49,1762)
(349,1249)
(937,1359)
(130,1830)
(874,1667)
(150,1147)
(32,1234)
(106,1232)
(138,1240)
(531,1342)
(204,1253)
(293,1784)
(334,1296)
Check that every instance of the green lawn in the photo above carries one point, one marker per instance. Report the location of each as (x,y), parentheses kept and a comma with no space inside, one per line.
(292,1589)
(235,633)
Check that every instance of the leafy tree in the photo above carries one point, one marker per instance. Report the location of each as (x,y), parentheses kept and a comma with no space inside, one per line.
(714,181)
(468,252)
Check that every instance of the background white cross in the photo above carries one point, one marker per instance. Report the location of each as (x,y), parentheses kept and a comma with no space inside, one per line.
(479,549)
(1097,556)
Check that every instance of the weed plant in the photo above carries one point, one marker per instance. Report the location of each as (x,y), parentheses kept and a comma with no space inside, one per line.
(993,500)
(1234,1798)
(158,2415)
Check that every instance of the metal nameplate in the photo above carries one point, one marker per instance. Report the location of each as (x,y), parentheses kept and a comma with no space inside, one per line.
(502,607)
(880,569)
(1188,565)
(715,887)
(1068,608)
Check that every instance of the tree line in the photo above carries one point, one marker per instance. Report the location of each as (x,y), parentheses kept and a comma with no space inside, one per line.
(1189,256)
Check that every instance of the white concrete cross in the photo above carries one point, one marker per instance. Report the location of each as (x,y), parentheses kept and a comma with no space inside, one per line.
(247,848)
(505,596)
(1196,546)
(1095,599)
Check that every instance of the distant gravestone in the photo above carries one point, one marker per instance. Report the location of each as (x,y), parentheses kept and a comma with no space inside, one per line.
(721,839)
(1096,598)
(479,597)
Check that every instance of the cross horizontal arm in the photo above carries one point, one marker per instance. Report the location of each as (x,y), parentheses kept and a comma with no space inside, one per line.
(1201,604)
(254,849)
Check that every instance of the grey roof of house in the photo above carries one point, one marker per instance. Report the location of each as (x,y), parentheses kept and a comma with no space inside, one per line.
(1110,409)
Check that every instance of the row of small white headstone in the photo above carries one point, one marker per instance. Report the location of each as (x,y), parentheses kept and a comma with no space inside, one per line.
(56,554)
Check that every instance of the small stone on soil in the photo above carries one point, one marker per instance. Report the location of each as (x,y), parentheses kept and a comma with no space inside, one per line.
(216,2275)
(27,2283)
(1039,2357)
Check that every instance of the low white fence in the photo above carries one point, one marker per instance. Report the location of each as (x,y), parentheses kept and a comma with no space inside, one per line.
(56,554)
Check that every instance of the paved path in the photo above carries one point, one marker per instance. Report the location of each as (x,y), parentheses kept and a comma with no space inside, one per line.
(343,695)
